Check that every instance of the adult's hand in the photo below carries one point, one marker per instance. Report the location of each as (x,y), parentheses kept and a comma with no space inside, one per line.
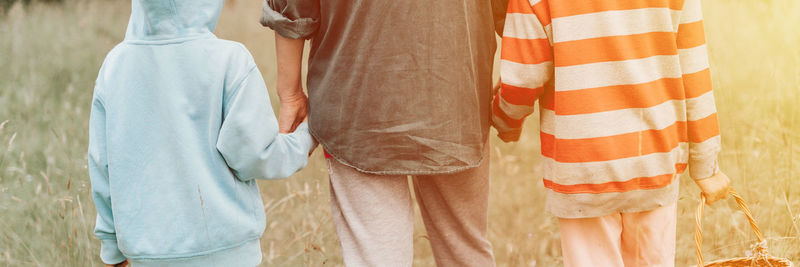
(293,111)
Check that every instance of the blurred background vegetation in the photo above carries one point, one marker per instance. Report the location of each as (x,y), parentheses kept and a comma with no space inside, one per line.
(6,4)
(51,50)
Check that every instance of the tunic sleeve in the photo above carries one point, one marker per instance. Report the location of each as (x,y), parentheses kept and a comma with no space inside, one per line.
(294,19)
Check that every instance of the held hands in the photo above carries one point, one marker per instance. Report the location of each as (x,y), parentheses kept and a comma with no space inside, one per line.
(293,110)
(496,87)
(505,135)
(715,187)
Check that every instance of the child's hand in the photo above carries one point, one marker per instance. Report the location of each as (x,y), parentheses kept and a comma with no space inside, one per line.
(495,90)
(496,87)
(715,187)
(121,264)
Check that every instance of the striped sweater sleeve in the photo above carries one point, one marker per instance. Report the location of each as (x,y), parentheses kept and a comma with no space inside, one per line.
(702,124)
(526,64)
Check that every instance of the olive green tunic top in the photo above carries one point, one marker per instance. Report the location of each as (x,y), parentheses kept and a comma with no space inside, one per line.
(396,87)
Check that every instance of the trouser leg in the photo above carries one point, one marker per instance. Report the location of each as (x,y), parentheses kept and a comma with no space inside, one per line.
(373,216)
(455,211)
(648,237)
(591,241)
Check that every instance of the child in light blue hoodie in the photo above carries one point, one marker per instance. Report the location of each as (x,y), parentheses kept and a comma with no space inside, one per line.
(181,125)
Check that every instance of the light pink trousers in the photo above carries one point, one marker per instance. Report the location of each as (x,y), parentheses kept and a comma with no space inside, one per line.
(374,216)
(621,239)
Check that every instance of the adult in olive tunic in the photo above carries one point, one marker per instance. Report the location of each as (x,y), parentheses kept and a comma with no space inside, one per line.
(395,88)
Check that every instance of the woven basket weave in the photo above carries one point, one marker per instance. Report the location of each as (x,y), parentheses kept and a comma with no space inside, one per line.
(760,257)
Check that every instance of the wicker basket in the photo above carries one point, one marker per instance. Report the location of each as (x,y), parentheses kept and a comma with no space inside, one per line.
(760,257)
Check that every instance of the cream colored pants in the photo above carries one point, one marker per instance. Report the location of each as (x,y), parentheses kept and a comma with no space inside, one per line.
(374,216)
(622,239)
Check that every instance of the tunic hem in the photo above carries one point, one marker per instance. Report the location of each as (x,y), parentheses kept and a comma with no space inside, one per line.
(397,172)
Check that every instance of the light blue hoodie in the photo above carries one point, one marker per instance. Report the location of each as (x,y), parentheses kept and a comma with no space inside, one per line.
(181,125)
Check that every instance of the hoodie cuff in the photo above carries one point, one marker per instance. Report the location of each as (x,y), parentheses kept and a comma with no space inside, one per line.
(109,252)
(306,137)
(301,28)
(701,168)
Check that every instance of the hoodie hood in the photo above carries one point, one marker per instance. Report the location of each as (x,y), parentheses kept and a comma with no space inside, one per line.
(166,19)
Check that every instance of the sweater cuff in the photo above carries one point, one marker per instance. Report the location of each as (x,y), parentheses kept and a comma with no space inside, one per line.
(509,136)
(109,252)
(301,28)
(701,168)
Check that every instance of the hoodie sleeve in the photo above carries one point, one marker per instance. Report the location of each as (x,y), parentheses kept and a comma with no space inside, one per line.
(701,110)
(101,193)
(293,19)
(249,139)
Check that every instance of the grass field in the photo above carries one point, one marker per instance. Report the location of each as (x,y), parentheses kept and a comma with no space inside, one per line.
(50,55)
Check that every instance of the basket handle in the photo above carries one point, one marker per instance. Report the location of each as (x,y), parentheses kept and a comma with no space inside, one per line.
(698,233)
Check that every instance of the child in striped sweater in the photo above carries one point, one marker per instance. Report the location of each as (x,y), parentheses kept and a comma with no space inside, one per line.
(626,106)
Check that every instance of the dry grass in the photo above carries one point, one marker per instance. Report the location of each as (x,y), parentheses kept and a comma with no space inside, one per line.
(49,56)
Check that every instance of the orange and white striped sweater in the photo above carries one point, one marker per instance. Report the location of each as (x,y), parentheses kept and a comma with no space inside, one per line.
(626,101)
